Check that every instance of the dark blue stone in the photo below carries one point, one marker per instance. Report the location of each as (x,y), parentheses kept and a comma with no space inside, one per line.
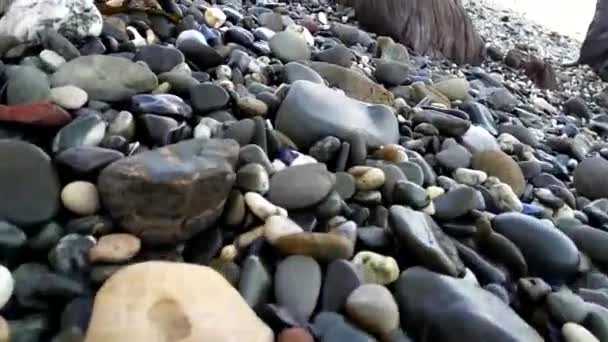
(214,37)
(531,210)
(239,35)
(287,155)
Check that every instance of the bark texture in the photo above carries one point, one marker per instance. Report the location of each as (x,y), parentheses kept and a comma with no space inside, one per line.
(594,50)
(438,28)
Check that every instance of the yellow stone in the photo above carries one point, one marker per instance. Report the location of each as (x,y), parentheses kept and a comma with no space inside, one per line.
(163,301)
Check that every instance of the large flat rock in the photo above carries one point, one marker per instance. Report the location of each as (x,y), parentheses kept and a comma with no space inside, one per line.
(312,111)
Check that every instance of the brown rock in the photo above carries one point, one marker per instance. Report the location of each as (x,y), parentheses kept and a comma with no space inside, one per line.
(515,59)
(355,84)
(322,246)
(4,330)
(430,27)
(170,194)
(502,166)
(392,152)
(115,248)
(295,335)
(420,91)
(541,72)
(373,308)
(162,302)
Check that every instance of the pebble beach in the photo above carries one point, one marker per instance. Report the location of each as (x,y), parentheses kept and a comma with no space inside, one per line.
(266,171)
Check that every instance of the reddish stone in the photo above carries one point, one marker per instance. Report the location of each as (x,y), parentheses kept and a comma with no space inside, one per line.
(541,72)
(295,335)
(37,113)
(311,25)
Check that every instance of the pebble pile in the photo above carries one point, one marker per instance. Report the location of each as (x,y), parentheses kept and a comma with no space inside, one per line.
(263,171)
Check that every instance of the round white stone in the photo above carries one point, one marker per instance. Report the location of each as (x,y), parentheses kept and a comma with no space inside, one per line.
(51,59)
(215,17)
(7,285)
(69,97)
(469,176)
(575,333)
(81,198)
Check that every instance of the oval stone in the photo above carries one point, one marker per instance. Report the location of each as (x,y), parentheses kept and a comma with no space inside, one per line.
(300,186)
(589,177)
(162,301)
(322,246)
(432,305)
(29,187)
(297,283)
(549,253)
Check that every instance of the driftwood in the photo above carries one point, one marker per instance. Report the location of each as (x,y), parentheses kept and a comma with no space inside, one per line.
(437,28)
(594,50)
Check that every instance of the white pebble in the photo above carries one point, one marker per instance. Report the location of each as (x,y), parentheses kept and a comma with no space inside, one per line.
(215,17)
(302,32)
(469,176)
(507,142)
(51,59)
(376,268)
(435,191)
(123,125)
(7,285)
(202,131)
(429,209)
(151,37)
(302,159)
(228,253)
(81,198)
(367,177)
(255,67)
(576,333)
(279,226)
(470,277)
(504,196)
(138,40)
(261,207)
(322,17)
(278,165)
(69,97)
(223,72)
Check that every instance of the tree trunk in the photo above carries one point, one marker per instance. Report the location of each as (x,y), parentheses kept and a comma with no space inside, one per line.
(438,28)
(594,51)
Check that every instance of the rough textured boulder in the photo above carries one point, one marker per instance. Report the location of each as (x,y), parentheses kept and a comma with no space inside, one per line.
(172,193)
(594,50)
(162,301)
(432,27)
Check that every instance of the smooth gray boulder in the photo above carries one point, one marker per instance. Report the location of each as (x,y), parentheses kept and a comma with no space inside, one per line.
(312,111)
(435,307)
(106,78)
